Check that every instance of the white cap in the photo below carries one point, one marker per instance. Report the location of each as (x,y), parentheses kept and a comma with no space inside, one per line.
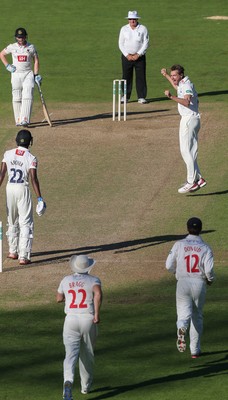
(132,15)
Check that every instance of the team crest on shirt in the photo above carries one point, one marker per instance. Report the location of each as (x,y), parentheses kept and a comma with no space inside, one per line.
(22,58)
(20,152)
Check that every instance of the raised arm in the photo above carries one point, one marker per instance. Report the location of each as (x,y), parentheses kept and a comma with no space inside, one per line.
(168,77)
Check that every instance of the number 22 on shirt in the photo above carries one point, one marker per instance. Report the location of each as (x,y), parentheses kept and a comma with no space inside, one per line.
(78,298)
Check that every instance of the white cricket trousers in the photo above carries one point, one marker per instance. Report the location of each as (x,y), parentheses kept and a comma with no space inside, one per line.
(79,337)
(188,139)
(22,93)
(190,299)
(20,219)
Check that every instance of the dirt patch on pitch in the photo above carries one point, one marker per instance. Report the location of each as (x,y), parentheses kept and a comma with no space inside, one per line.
(111,192)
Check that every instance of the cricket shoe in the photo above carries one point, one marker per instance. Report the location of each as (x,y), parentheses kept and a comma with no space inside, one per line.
(67,394)
(196,355)
(12,256)
(84,391)
(24,261)
(181,343)
(142,101)
(24,123)
(188,187)
(122,100)
(201,182)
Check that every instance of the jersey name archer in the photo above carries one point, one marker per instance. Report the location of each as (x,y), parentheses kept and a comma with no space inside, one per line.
(19,161)
(78,292)
(22,56)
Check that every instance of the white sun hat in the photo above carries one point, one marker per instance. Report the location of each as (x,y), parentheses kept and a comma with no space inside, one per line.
(81,264)
(132,15)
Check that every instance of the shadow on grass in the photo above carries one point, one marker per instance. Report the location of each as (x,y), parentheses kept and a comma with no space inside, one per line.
(205,370)
(129,356)
(60,122)
(118,247)
(209,194)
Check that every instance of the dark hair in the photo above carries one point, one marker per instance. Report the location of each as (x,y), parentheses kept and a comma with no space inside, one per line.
(194,226)
(179,68)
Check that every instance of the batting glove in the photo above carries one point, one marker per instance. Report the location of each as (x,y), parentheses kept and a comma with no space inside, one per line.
(41,206)
(11,68)
(38,79)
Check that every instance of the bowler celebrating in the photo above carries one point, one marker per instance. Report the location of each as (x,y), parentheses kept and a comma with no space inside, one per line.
(187,100)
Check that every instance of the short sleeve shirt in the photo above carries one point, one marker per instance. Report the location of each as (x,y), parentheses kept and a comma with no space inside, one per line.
(78,292)
(186,87)
(19,161)
(22,56)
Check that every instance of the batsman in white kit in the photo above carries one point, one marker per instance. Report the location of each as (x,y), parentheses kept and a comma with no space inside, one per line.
(24,73)
(191,260)
(21,165)
(82,295)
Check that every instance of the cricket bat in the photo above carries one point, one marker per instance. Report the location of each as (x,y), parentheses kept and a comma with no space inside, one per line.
(45,110)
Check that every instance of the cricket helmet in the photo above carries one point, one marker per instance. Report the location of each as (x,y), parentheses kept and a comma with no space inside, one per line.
(24,138)
(20,33)
(81,264)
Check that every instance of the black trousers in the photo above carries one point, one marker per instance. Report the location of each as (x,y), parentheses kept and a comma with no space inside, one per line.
(128,68)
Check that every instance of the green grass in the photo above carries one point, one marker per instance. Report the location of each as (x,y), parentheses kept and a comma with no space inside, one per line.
(78,45)
(136,354)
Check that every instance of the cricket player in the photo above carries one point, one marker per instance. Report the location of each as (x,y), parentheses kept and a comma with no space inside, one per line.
(191,260)
(21,165)
(187,100)
(24,72)
(82,295)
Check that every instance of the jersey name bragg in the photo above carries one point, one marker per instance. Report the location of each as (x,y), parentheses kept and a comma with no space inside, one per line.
(76,284)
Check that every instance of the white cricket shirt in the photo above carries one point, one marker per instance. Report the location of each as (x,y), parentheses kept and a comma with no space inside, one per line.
(19,161)
(22,56)
(186,87)
(78,292)
(191,258)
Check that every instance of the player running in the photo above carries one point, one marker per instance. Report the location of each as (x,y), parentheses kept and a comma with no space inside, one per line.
(191,260)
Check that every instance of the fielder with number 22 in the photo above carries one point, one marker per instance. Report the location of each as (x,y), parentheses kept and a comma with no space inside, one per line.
(21,165)
(82,295)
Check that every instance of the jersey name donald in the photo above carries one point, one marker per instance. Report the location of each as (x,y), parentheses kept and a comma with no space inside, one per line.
(191,258)
(19,161)
(78,292)
(22,56)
